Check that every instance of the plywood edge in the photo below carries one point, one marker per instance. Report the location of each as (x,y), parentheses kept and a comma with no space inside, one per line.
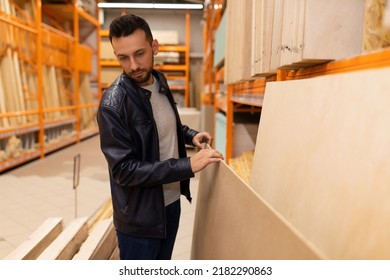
(38,241)
(100,243)
(68,243)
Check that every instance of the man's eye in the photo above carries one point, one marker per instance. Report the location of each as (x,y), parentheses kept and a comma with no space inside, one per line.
(122,58)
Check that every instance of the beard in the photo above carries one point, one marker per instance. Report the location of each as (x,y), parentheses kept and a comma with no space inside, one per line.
(140,76)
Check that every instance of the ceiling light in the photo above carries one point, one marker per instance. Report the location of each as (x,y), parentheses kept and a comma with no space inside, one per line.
(150,6)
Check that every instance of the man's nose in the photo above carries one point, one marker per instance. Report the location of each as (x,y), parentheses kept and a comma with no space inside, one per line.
(134,65)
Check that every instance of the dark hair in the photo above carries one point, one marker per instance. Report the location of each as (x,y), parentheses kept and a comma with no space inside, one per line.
(125,25)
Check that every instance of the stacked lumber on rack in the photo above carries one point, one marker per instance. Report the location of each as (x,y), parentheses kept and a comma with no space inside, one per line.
(51,92)
(238,41)
(242,165)
(87,114)
(17,66)
(10,72)
(289,34)
(319,31)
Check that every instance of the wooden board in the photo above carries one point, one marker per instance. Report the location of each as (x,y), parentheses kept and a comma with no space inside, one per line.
(233,222)
(262,26)
(318,31)
(38,241)
(4,123)
(322,160)
(67,244)
(238,41)
(87,116)
(100,243)
(276,35)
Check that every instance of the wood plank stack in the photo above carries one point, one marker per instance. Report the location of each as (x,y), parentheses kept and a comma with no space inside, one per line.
(376,25)
(38,241)
(18,75)
(87,114)
(238,40)
(80,240)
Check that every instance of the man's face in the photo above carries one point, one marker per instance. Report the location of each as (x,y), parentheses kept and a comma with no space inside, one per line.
(135,55)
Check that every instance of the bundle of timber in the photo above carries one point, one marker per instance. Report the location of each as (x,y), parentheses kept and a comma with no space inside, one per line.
(18,78)
(25,10)
(82,239)
(376,35)
(89,6)
(14,147)
(87,113)
(242,165)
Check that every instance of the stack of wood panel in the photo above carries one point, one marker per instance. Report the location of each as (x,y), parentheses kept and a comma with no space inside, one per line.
(266,35)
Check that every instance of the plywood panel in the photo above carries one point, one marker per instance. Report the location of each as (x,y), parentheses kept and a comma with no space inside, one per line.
(262,28)
(232,222)
(341,21)
(276,36)
(322,160)
(238,41)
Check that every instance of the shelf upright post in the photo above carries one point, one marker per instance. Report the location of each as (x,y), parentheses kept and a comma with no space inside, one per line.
(76,73)
(229,123)
(39,65)
(98,51)
(187,58)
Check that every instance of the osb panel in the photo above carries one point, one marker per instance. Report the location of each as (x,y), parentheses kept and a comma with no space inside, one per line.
(232,222)
(322,160)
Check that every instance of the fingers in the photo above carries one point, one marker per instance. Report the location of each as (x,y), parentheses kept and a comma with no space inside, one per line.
(202,139)
(203,158)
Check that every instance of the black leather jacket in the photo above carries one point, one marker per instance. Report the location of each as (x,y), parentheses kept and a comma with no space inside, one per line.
(129,141)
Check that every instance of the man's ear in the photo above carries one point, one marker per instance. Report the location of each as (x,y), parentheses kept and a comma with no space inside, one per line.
(155,46)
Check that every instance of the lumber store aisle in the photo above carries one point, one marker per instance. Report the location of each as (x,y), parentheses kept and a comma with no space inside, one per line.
(44,188)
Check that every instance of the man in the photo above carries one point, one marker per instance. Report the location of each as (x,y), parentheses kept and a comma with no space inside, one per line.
(144,141)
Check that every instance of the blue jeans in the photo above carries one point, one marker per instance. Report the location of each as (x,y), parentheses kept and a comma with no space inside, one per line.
(144,248)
